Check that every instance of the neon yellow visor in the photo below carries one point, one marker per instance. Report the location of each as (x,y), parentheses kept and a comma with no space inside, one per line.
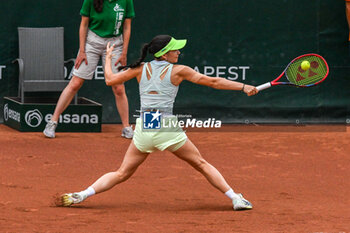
(172,45)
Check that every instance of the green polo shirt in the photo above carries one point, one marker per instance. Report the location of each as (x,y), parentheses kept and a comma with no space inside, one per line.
(109,22)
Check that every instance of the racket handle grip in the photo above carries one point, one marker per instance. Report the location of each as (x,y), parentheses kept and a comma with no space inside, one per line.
(263,86)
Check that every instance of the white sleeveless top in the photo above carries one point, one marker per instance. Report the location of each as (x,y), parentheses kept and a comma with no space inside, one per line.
(165,91)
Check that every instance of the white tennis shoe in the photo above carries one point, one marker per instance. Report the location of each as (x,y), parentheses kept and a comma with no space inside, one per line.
(50,129)
(69,199)
(241,203)
(128,132)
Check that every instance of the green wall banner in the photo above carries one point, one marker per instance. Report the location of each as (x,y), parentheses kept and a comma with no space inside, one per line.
(32,116)
(244,41)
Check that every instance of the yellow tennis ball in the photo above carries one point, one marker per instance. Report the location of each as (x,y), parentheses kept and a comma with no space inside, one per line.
(305,65)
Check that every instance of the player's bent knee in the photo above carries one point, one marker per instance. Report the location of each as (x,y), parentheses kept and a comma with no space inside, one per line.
(123,174)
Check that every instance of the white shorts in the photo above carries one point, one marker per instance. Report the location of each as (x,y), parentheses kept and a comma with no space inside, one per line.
(95,47)
(170,139)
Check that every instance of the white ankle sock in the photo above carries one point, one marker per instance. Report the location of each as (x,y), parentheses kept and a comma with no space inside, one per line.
(232,195)
(88,192)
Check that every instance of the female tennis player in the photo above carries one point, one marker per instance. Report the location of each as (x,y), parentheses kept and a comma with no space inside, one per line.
(159,81)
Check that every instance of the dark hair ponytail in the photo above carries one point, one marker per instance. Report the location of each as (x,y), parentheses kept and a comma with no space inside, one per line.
(98,5)
(153,47)
(143,55)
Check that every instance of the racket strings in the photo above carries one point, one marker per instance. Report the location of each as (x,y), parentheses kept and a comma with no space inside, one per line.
(317,71)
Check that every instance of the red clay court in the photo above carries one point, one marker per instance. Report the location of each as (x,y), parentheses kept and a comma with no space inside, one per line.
(296,177)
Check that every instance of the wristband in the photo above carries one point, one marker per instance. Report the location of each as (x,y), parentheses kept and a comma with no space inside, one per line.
(243,87)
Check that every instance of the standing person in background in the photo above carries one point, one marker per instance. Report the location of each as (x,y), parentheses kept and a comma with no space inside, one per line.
(102,21)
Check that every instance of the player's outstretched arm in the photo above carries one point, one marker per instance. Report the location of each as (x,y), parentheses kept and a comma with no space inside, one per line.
(187,73)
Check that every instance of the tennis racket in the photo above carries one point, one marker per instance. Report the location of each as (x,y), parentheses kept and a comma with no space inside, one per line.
(297,76)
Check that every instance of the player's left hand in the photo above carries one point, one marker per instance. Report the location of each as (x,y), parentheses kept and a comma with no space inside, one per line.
(109,51)
(250,90)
